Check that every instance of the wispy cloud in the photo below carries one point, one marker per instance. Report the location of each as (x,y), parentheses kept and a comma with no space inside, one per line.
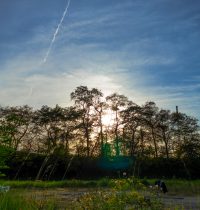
(56,32)
(144,51)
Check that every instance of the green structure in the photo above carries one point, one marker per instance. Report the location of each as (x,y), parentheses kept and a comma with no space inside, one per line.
(113,159)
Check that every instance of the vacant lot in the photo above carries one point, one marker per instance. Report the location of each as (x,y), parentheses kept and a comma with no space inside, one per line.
(182,194)
(64,196)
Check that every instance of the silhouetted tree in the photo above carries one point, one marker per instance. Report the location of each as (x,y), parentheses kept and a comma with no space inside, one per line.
(164,131)
(184,128)
(117,103)
(131,121)
(85,100)
(150,111)
(50,121)
(14,125)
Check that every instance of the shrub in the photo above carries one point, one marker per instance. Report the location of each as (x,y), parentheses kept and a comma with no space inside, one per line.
(123,195)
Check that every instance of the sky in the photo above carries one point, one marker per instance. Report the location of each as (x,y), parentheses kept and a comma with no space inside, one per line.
(148,50)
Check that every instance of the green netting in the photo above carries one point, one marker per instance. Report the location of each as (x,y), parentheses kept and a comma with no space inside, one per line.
(116,162)
(112,157)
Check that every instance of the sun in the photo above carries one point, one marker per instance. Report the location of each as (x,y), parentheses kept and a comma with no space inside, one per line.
(108,118)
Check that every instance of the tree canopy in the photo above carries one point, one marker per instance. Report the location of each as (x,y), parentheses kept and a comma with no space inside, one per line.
(145,131)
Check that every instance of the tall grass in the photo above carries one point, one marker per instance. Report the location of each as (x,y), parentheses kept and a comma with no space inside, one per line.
(175,186)
(180,186)
(118,194)
(13,200)
(53,184)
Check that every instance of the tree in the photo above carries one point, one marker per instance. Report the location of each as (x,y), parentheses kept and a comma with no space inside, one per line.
(150,111)
(56,126)
(5,153)
(184,128)
(117,103)
(163,125)
(191,148)
(69,126)
(15,123)
(131,121)
(86,101)
(100,108)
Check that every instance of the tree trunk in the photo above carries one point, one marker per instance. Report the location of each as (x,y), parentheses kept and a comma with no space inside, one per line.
(154,141)
(133,143)
(166,143)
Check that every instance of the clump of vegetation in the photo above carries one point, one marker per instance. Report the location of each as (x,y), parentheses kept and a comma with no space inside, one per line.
(4,154)
(13,200)
(123,195)
(53,184)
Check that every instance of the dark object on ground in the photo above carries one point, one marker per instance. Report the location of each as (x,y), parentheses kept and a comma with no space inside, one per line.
(161,185)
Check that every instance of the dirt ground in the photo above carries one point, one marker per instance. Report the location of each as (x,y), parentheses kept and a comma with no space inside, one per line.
(67,195)
(188,202)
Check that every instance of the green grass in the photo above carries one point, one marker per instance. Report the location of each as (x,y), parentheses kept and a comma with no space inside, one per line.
(55,184)
(181,186)
(175,186)
(184,186)
(15,200)
(123,193)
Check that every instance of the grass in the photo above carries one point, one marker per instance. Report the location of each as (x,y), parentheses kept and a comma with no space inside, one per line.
(180,186)
(56,184)
(15,200)
(175,186)
(185,187)
(104,192)
(121,195)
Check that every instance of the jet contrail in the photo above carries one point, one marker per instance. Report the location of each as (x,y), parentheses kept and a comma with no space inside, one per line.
(56,32)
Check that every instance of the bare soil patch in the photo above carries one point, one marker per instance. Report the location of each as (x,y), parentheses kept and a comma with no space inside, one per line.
(64,196)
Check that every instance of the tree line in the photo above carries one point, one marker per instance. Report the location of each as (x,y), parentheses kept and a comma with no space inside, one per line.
(84,129)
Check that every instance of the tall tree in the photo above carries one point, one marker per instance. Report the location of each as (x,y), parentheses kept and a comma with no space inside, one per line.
(100,107)
(163,125)
(117,103)
(14,125)
(85,100)
(70,124)
(131,121)
(49,122)
(150,111)
(184,128)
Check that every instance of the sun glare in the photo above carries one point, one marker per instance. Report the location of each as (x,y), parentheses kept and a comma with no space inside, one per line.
(108,119)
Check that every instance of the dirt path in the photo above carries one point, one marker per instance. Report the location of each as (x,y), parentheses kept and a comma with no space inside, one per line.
(188,202)
(67,195)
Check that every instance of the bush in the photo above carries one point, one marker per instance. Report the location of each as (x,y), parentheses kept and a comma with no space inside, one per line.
(122,196)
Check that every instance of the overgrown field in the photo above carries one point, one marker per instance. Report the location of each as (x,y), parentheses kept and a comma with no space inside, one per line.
(96,194)
(178,186)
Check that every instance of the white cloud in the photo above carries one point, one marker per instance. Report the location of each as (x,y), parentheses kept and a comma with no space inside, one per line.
(70,64)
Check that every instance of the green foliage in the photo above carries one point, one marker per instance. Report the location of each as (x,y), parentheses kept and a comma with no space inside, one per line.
(13,200)
(174,185)
(56,135)
(122,196)
(168,168)
(53,184)
(5,153)
(5,133)
(95,167)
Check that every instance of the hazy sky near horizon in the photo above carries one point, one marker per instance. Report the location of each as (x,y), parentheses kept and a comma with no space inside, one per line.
(148,50)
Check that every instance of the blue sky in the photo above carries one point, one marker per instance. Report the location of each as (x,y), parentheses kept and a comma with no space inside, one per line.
(145,49)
